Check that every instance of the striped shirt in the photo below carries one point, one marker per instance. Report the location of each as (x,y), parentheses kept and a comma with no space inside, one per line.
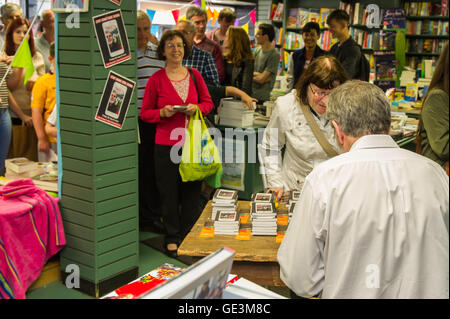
(204,63)
(4,88)
(148,63)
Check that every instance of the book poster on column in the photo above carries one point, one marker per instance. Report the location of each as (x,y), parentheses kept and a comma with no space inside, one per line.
(233,164)
(116,2)
(112,38)
(115,100)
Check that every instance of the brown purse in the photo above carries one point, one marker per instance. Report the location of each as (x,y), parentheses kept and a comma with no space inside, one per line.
(326,146)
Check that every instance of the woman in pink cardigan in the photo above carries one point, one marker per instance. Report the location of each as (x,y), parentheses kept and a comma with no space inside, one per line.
(166,88)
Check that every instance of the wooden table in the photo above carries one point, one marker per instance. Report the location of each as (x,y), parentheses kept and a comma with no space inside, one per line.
(255,259)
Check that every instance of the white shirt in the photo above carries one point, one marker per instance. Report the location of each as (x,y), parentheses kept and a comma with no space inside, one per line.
(148,63)
(376,210)
(288,127)
(52,118)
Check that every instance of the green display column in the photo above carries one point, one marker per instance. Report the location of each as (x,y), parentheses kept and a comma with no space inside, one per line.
(100,163)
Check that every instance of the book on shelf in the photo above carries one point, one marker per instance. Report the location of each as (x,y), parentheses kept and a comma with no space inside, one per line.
(206,279)
(385,65)
(303,16)
(278,15)
(411,92)
(387,39)
(314,15)
(358,13)
(394,18)
(272,11)
(292,20)
(324,12)
(426,9)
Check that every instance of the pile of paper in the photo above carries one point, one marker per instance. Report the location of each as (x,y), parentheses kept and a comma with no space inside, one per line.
(233,113)
(226,222)
(44,175)
(224,199)
(264,219)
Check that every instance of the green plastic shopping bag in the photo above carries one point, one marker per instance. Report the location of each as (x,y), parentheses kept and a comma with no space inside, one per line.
(200,158)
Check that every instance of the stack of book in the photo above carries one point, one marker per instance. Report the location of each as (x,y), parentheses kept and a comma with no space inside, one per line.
(44,175)
(293,199)
(407,77)
(226,222)
(233,113)
(223,200)
(21,167)
(263,214)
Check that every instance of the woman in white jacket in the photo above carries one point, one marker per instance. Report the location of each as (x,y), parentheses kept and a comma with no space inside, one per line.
(288,127)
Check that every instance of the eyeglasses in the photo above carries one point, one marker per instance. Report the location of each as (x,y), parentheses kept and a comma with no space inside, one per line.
(319,94)
(178,45)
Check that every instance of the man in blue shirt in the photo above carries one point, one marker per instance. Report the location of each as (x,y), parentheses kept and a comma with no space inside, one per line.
(199,59)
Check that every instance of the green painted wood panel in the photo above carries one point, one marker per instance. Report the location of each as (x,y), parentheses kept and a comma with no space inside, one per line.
(75,98)
(114,255)
(71,57)
(116,177)
(116,229)
(76,85)
(81,256)
(110,166)
(116,151)
(118,267)
(71,216)
(123,239)
(115,190)
(75,112)
(75,71)
(76,125)
(80,243)
(78,192)
(115,216)
(119,137)
(77,205)
(128,125)
(86,272)
(77,165)
(79,231)
(116,204)
(77,152)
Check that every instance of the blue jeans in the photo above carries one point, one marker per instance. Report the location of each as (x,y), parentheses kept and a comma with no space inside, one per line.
(5,136)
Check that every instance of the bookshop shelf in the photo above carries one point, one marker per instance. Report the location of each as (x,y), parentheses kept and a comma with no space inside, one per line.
(427,17)
(427,36)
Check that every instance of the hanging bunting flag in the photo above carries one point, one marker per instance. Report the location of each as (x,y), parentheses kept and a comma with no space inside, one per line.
(252,16)
(182,18)
(204,4)
(176,14)
(151,14)
(209,14)
(236,23)
(215,16)
(197,3)
(245,27)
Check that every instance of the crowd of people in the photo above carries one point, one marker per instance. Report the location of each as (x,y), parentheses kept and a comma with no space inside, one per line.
(26,100)
(328,138)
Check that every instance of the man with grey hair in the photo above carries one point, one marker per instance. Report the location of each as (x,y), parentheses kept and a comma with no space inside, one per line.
(372,222)
(199,59)
(199,18)
(47,37)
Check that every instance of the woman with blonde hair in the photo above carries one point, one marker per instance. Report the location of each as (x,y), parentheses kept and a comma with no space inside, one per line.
(434,120)
(239,61)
